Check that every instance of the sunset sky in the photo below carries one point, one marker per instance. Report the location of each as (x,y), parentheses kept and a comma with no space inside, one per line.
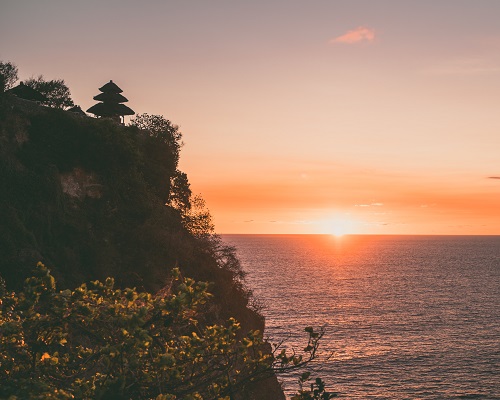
(359,116)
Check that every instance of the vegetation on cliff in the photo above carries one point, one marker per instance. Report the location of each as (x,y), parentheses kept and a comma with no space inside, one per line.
(94,199)
(100,342)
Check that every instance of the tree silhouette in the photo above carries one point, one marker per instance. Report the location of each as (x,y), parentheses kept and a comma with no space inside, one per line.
(160,128)
(8,75)
(56,91)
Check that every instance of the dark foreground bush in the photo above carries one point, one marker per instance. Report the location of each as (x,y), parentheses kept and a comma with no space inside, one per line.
(100,342)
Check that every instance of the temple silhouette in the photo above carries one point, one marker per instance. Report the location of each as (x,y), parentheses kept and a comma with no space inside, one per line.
(27,93)
(110,103)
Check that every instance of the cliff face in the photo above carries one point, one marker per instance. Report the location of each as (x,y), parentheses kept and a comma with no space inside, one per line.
(87,198)
(75,194)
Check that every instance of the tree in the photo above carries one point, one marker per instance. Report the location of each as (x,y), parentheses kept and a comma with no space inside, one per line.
(101,342)
(195,216)
(162,141)
(180,193)
(56,91)
(198,220)
(8,75)
(158,127)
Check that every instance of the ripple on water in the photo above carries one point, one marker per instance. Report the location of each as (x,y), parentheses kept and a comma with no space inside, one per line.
(407,317)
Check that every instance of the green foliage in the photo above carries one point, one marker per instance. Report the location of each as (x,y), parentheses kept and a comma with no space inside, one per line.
(56,91)
(100,342)
(8,75)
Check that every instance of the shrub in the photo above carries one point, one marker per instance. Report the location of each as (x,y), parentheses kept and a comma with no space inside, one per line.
(98,341)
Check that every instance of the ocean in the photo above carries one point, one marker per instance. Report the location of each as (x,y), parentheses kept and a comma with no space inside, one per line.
(405,317)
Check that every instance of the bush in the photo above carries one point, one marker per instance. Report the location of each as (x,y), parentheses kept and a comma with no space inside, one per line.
(101,342)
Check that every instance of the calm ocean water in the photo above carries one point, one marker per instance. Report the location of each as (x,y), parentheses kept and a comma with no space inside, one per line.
(407,317)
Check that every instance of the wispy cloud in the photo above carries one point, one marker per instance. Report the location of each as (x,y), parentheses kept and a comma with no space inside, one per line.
(369,205)
(493,177)
(465,66)
(358,35)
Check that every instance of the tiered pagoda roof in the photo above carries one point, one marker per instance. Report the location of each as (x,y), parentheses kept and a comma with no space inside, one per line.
(110,105)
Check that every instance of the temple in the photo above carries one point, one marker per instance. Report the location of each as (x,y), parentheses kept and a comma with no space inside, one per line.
(110,103)
(27,93)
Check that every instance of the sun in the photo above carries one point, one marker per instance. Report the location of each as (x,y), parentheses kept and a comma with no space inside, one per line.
(339,228)
(340,225)
(339,231)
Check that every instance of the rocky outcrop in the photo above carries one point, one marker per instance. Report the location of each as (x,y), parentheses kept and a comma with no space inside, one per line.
(80,184)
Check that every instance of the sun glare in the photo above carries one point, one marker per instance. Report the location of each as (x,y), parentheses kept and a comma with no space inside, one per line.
(340,226)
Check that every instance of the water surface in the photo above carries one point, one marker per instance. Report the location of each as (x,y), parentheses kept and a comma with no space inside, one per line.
(408,317)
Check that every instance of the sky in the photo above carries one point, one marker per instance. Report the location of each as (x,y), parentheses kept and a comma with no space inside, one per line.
(318,116)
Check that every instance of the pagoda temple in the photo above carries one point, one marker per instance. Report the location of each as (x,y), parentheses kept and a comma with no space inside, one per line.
(110,103)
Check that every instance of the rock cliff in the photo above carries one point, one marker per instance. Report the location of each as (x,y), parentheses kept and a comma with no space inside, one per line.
(87,197)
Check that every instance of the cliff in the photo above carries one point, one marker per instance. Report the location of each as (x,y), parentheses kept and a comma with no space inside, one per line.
(87,198)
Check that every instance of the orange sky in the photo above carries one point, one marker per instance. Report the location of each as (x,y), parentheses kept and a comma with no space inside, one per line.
(298,117)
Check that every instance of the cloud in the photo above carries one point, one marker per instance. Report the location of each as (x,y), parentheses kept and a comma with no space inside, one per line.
(369,205)
(360,34)
(464,67)
(493,177)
